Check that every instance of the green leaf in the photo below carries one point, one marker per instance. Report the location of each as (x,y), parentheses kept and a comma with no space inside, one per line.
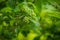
(38,5)
(5,24)
(12,3)
(6,9)
(55,14)
(12,22)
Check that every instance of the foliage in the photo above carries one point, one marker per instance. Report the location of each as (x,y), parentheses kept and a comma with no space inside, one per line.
(29,20)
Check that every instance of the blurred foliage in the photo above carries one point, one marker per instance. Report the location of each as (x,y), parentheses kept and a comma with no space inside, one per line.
(29,19)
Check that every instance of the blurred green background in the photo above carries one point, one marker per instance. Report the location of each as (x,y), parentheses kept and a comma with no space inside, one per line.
(29,19)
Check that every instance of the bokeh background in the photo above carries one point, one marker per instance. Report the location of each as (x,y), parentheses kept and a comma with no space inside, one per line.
(29,19)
